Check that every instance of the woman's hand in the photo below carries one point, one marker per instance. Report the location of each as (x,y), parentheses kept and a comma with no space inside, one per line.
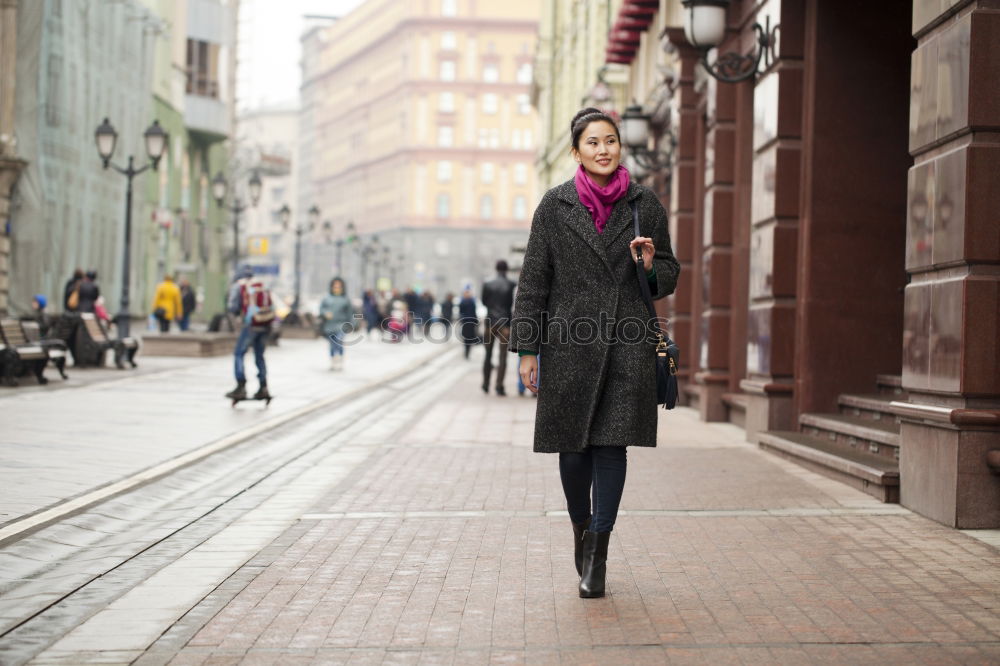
(647,250)
(529,372)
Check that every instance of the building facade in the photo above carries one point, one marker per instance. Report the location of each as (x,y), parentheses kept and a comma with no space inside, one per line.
(417,127)
(268,138)
(839,295)
(76,64)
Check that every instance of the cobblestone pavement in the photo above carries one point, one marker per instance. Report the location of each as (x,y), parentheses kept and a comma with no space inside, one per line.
(426,531)
(63,441)
(449,545)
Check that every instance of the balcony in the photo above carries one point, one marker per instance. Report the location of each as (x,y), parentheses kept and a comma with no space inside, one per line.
(208,116)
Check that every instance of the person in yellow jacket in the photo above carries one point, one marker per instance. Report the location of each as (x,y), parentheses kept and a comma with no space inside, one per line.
(167,303)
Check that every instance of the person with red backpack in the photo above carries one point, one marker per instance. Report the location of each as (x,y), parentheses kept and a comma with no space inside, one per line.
(252,301)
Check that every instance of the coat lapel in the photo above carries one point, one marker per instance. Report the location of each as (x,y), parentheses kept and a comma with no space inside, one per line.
(621,217)
(578,219)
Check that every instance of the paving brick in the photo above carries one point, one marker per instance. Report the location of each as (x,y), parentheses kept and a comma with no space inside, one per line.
(711,562)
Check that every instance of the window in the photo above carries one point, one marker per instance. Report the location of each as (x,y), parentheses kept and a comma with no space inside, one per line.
(515,139)
(446,136)
(202,68)
(490,103)
(446,70)
(443,205)
(444,172)
(491,73)
(484,138)
(446,102)
(494,138)
(520,208)
(524,104)
(448,41)
(527,139)
(524,73)
(449,7)
(486,172)
(520,174)
(486,207)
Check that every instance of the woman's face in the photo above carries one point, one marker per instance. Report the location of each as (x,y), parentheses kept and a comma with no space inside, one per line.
(337,288)
(600,153)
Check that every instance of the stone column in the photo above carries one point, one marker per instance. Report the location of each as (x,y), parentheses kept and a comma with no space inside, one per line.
(683,219)
(715,247)
(10,165)
(774,230)
(951,338)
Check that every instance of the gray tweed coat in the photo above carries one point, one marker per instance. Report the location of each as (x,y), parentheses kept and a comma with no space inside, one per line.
(597,384)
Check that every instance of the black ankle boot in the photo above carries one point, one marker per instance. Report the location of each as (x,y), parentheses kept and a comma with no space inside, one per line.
(578,530)
(238,393)
(595,564)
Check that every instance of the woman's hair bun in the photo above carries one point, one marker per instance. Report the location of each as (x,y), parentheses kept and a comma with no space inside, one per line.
(581,113)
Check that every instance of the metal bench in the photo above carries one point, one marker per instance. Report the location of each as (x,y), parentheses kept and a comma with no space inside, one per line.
(54,347)
(26,355)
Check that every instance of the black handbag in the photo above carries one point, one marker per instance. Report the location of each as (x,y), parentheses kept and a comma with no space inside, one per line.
(667,354)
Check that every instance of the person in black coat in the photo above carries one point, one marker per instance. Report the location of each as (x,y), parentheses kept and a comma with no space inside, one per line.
(189,302)
(498,297)
(468,320)
(579,304)
(89,292)
(448,310)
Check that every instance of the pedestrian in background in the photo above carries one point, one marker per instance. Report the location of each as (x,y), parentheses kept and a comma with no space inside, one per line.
(38,314)
(498,297)
(370,311)
(188,304)
(89,292)
(71,292)
(468,320)
(167,303)
(598,396)
(338,319)
(448,311)
(101,310)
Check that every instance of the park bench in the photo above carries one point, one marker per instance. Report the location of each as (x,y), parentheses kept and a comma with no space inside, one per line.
(24,355)
(125,349)
(54,347)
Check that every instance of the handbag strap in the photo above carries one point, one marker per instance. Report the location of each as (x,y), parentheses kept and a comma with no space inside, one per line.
(640,271)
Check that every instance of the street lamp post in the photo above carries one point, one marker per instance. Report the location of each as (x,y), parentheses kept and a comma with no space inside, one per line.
(366,252)
(219,189)
(156,142)
(293,318)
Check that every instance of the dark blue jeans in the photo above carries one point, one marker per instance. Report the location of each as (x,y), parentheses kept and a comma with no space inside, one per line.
(597,471)
(247,338)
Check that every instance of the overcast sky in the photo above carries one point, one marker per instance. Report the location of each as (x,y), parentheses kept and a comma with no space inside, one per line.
(269,47)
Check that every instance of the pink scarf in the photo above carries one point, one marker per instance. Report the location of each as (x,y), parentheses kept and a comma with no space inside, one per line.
(600,200)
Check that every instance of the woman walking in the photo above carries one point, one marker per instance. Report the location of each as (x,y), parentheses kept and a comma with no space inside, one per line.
(338,319)
(597,394)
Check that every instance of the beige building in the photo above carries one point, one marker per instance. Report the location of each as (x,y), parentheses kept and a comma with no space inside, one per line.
(417,126)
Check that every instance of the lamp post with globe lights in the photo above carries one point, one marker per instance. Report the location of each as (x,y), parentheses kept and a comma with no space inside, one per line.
(220,188)
(293,318)
(156,142)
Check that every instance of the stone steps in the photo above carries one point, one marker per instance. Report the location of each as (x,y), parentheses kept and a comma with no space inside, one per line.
(869,473)
(858,445)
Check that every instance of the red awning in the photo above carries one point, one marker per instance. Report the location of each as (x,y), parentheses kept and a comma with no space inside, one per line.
(634,17)
(625,36)
(620,50)
(638,13)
